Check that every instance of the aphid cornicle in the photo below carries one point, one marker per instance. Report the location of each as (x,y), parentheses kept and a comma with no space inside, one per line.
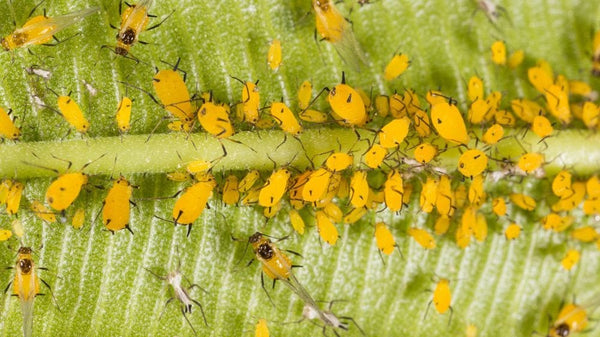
(116,208)
(41,29)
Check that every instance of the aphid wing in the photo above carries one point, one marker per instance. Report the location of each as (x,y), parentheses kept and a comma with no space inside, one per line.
(27,314)
(137,17)
(350,51)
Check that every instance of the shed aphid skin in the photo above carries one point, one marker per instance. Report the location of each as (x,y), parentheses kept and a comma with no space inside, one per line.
(41,29)
(274,55)
(396,67)
(328,318)
(123,115)
(491,10)
(347,104)
(193,200)
(250,100)
(8,129)
(334,28)
(180,293)
(72,113)
(116,206)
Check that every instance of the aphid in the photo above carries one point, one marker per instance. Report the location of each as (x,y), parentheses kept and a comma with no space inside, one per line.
(475,89)
(346,102)
(476,194)
(248,181)
(359,189)
(261,329)
(442,298)
(63,191)
(449,123)
(472,163)
(397,66)
(375,155)
(339,161)
(539,78)
(115,207)
(425,152)
(512,232)
(585,234)
(493,134)
(215,119)
(523,201)
(192,201)
(504,117)
(333,212)
(181,294)
(499,206)
(285,118)
(530,162)
(392,134)
(442,224)
(463,234)
(134,20)
(571,318)
(71,112)
(296,221)
(13,198)
(123,115)
(384,239)
(274,55)
(593,187)
(570,260)
(326,229)
(444,202)
(428,195)
(251,197)
(393,191)
(36,70)
(382,105)
(231,192)
(173,93)
(422,237)
(41,29)
(17,228)
(582,88)
(313,116)
(274,188)
(590,115)
(557,99)
(541,126)
(515,59)
(5,234)
(43,212)
(250,101)
(7,126)
(499,53)
(304,95)
(328,318)
(316,185)
(555,222)
(471,331)
(478,111)
(421,122)
(571,200)
(334,28)
(526,109)
(78,218)
(561,184)
(354,215)
(480,227)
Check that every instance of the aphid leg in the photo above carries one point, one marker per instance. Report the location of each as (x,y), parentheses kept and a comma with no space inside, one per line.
(165,307)
(183,312)
(262,284)
(426,311)
(353,321)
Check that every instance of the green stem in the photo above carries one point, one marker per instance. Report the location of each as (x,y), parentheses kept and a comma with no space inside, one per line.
(258,150)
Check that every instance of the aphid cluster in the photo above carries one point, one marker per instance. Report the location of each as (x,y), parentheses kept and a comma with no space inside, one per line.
(407,132)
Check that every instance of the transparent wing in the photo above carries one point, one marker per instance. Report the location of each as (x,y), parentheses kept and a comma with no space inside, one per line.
(349,49)
(136,20)
(27,313)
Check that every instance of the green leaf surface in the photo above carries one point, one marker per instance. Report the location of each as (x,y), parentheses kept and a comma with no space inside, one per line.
(98,279)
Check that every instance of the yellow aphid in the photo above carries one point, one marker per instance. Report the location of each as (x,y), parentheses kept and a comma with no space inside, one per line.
(478,111)
(347,103)
(442,223)
(463,235)
(428,195)
(393,133)
(570,260)
(393,191)
(382,105)
(499,53)
(523,201)
(557,100)
(472,163)
(192,202)
(26,286)
(593,187)
(571,200)
(231,193)
(425,152)
(78,218)
(274,55)
(480,228)
(541,126)
(585,234)
(123,115)
(461,195)
(5,234)
(296,221)
(251,197)
(375,155)
(444,202)
(250,101)
(398,107)
(476,194)
(40,29)
(590,115)
(449,123)
(384,238)
(17,227)
(7,126)
(274,188)
(333,212)
(4,188)
(272,211)
(359,189)
(596,47)
(421,122)
(339,161)
(116,206)
(475,89)
(215,119)
(72,114)
(285,118)
(526,109)
(326,229)
(134,20)
(422,237)
(571,319)
(556,222)
(499,206)
(296,186)
(539,78)
(43,212)
(173,94)
(354,215)
(530,162)
(512,232)
(248,181)
(13,199)
(334,28)
(179,176)
(442,297)
(561,184)
(198,166)
(582,89)
(591,206)
(313,116)
(316,185)
(515,59)
(504,117)
(304,94)
(434,97)
(179,126)
(493,134)
(397,66)
(261,329)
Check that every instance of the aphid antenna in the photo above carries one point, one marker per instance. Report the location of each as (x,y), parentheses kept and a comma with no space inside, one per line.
(161,22)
